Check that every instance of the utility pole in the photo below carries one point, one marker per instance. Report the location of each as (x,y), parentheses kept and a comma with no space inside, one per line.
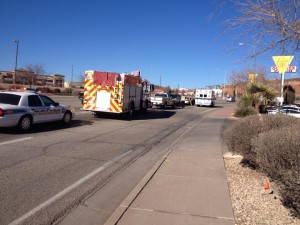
(16,63)
(72,77)
(160,80)
(224,85)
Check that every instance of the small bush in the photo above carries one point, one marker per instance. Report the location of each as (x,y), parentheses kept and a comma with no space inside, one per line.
(44,90)
(277,150)
(245,111)
(239,136)
(56,90)
(2,88)
(278,155)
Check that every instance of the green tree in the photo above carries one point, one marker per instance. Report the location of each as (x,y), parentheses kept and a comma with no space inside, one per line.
(257,95)
(289,94)
(262,94)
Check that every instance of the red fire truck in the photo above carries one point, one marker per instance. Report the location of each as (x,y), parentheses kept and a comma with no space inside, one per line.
(112,92)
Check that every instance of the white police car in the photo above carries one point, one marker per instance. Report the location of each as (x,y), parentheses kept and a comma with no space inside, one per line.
(23,109)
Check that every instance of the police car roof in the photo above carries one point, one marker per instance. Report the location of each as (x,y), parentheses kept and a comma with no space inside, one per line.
(22,93)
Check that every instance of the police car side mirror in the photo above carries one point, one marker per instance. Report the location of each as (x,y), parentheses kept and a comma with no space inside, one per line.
(55,104)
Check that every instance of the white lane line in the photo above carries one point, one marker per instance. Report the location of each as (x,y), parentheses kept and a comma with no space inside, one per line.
(15,140)
(67,190)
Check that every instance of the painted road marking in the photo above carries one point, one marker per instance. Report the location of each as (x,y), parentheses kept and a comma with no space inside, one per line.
(15,140)
(67,190)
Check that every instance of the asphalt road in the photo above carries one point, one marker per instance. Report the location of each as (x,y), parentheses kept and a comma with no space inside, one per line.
(46,173)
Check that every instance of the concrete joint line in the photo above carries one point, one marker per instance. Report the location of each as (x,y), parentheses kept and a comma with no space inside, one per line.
(183,213)
(115,218)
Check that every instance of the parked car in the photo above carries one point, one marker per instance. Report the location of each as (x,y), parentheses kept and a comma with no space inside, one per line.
(290,112)
(162,100)
(176,99)
(22,109)
(272,109)
(294,107)
(15,88)
(230,99)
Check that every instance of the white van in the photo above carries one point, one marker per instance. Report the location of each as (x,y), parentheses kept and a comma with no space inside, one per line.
(205,97)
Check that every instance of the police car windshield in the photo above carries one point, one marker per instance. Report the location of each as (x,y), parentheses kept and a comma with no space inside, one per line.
(10,99)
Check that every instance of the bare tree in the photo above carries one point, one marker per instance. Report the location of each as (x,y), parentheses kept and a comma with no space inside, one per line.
(270,25)
(38,69)
(240,79)
(35,69)
(242,76)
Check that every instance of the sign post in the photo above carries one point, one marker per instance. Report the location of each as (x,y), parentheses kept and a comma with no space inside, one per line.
(282,63)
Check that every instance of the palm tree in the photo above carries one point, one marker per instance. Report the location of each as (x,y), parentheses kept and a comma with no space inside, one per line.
(261,94)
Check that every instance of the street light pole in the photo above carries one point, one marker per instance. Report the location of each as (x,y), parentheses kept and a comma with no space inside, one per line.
(16,63)
(224,85)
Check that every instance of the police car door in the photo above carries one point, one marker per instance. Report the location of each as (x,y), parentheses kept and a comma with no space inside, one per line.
(53,108)
(37,108)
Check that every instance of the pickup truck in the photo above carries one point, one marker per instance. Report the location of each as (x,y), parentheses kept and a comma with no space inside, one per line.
(162,100)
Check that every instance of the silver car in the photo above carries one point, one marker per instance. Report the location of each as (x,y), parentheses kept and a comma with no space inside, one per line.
(23,109)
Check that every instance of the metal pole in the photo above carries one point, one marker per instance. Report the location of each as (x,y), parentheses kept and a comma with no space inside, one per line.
(281,88)
(223,94)
(16,63)
(282,79)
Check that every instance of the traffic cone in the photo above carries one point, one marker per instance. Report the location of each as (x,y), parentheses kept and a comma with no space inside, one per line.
(267,185)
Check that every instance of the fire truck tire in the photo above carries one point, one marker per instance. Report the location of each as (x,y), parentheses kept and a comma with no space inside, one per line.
(130,111)
(143,106)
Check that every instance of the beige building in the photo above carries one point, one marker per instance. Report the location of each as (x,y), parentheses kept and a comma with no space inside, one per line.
(24,77)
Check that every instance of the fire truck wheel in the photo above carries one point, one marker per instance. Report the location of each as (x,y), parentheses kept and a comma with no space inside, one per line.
(130,111)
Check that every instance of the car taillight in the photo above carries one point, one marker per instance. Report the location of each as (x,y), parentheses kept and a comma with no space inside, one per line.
(1,112)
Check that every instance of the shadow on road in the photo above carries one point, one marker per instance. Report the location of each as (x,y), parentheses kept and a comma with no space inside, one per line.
(149,115)
(46,127)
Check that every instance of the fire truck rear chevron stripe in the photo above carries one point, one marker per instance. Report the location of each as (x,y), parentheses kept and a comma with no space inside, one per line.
(90,95)
(114,106)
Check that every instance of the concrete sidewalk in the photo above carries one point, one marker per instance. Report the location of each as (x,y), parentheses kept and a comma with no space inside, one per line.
(188,186)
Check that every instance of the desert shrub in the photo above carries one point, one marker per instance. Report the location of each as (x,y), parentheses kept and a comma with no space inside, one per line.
(278,155)
(44,90)
(239,136)
(277,121)
(2,88)
(56,90)
(243,111)
(278,150)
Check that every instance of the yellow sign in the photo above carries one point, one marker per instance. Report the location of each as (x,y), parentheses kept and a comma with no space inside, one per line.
(253,76)
(282,62)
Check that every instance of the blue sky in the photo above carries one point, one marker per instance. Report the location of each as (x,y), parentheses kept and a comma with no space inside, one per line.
(176,43)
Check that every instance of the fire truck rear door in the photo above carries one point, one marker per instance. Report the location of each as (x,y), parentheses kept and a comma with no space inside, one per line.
(103,101)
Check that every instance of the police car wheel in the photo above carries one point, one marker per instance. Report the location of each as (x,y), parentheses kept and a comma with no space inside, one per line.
(67,118)
(25,123)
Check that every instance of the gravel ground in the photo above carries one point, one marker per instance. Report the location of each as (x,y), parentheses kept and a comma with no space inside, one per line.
(252,204)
